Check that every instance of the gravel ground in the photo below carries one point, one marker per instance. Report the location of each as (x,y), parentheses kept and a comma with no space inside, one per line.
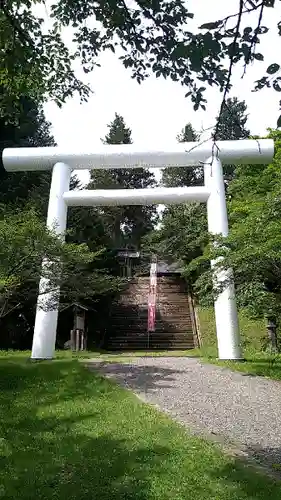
(234,408)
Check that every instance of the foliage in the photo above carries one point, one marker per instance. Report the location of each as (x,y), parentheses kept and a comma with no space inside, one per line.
(32,129)
(253,246)
(182,233)
(23,200)
(36,62)
(128,224)
(188,176)
(230,126)
(232,122)
(151,36)
(24,244)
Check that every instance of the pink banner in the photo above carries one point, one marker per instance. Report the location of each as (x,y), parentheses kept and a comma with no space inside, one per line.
(151,318)
(152,299)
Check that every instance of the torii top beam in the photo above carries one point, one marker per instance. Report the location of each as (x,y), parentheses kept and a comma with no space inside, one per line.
(248,151)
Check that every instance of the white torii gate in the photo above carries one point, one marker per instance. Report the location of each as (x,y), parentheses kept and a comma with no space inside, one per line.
(63,161)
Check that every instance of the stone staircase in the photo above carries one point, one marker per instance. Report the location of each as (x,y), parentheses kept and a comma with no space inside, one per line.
(175,323)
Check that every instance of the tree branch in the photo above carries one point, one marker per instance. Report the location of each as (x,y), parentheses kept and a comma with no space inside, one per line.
(254,39)
(2,314)
(245,11)
(131,22)
(231,64)
(17,28)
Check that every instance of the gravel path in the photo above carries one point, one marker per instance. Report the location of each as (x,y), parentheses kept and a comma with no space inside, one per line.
(235,408)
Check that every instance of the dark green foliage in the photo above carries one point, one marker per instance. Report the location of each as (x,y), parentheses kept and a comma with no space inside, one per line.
(23,206)
(151,36)
(118,132)
(253,246)
(179,176)
(128,224)
(230,126)
(33,130)
(183,234)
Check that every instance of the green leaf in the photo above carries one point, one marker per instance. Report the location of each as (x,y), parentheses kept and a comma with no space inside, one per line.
(276,85)
(273,68)
(259,56)
(211,26)
(261,30)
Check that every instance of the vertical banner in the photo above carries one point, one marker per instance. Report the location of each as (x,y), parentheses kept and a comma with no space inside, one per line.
(152,298)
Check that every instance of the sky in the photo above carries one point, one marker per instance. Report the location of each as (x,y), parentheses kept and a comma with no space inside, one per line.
(157,110)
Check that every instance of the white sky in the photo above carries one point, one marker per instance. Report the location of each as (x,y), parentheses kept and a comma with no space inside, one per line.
(157,110)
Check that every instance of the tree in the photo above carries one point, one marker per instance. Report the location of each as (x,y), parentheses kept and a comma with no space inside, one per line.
(118,132)
(179,176)
(24,243)
(151,36)
(183,231)
(23,205)
(128,224)
(231,125)
(253,246)
(32,129)
(182,234)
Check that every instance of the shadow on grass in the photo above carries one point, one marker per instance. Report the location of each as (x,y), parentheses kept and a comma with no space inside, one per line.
(66,433)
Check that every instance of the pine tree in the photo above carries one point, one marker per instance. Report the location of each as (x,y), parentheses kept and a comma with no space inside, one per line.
(183,176)
(187,134)
(231,125)
(32,130)
(128,224)
(118,132)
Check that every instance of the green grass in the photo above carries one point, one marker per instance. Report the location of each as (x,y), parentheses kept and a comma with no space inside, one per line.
(252,332)
(257,361)
(69,434)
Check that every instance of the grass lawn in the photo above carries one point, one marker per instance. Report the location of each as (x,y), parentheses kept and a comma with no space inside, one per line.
(253,333)
(69,434)
(257,361)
